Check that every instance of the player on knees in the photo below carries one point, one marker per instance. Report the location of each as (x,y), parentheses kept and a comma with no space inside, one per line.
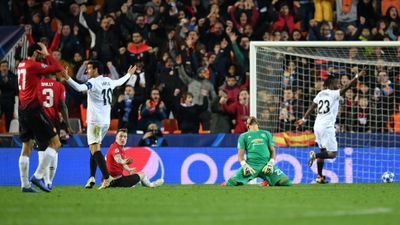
(34,124)
(327,102)
(260,160)
(117,162)
(99,93)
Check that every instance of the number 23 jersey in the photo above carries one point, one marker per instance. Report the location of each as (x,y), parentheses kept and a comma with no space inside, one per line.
(100,92)
(327,109)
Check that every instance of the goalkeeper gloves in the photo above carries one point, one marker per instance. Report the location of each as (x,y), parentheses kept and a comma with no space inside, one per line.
(247,170)
(269,168)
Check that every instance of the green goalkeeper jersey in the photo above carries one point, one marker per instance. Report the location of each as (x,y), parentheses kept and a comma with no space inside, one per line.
(256,144)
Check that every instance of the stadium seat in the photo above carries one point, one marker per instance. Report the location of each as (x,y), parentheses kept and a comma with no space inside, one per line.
(3,125)
(201,131)
(83,116)
(75,125)
(113,126)
(170,126)
(14,126)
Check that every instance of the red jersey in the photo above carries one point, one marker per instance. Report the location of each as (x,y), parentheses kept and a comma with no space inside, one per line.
(29,76)
(115,169)
(51,92)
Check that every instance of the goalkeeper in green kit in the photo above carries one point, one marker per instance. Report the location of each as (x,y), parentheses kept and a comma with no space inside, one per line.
(260,151)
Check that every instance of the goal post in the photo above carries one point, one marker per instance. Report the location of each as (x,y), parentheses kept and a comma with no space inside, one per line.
(286,76)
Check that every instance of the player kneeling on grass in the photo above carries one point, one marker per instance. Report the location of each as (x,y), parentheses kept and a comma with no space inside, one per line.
(260,160)
(117,163)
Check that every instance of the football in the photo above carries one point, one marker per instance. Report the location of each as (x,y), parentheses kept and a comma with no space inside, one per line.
(387,177)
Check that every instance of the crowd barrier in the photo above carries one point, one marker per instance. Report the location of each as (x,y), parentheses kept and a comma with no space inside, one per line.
(212,165)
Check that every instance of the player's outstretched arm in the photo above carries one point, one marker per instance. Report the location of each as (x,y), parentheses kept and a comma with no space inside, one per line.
(125,78)
(73,84)
(352,82)
(301,121)
(53,67)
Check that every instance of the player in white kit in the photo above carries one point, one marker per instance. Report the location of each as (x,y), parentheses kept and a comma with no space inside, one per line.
(327,104)
(99,91)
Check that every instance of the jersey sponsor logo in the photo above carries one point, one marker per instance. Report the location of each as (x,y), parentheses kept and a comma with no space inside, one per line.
(257,141)
(43,65)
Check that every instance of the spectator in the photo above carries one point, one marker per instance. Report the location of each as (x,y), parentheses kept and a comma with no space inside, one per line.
(8,92)
(107,41)
(199,88)
(189,114)
(240,110)
(220,121)
(346,13)
(286,114)
(69,44)
(153,111)
(153,137)
(232,88)
(285,20)
(363,115)
(126,110)
(394,122)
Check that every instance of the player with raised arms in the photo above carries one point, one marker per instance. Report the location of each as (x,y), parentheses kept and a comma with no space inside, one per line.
(99,97)
(327,104)
(260,158)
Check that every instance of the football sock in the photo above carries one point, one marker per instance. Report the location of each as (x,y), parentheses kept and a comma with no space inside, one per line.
(146,182)
(24,171)
(322,155)
(53,168)
(46,172)
(320,166)
(101,162)
(48,156)
(93,166)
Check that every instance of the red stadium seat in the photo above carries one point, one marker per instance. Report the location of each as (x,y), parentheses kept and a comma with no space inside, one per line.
(170,126)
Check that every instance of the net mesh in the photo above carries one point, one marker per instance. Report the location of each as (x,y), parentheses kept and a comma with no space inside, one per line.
(367,126)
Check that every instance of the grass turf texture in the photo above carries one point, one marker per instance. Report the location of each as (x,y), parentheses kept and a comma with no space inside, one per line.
(205,204)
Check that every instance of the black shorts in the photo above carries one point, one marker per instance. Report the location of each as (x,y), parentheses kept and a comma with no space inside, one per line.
(34,125)
(125,181)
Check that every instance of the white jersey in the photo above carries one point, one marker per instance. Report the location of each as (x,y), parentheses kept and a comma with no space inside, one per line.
(328,107)
(100,92)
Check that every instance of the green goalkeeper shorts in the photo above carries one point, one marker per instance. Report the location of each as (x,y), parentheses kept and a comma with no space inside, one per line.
(239,179)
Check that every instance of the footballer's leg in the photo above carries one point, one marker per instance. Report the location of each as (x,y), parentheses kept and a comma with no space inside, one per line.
(93,166)
(126,181)
(101,162)
(239,178)
(147,183)
(23,164)
(324,154)
(277,178)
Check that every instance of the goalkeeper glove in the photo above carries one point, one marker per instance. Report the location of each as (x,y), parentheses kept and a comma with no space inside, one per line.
(269,168)
(247,170)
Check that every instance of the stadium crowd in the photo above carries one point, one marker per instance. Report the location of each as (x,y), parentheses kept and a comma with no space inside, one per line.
(192,57)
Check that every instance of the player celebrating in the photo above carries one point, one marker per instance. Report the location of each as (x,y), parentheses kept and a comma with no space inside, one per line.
(100,90)
(117,163)
(260,158)
(52,97)
(34,123)
(327,102)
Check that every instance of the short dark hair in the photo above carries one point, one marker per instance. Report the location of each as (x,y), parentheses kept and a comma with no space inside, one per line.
(328,82)
(4,61)
(33,48)
(96,65)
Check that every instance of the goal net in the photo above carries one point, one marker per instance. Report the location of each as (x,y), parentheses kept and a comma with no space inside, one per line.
(286,76)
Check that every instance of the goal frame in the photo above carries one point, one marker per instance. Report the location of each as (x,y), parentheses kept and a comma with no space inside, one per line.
(311,44)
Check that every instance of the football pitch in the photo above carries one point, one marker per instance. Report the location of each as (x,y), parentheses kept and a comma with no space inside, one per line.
(205,204)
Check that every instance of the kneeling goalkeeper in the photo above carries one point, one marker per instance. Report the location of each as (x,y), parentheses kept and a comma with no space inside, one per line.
(260,151)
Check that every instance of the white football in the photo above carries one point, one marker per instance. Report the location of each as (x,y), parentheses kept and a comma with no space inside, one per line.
(388,177)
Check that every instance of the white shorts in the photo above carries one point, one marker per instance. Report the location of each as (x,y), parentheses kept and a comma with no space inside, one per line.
(326,138)
(96,132)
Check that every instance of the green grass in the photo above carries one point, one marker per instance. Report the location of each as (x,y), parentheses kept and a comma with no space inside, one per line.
(205,204)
